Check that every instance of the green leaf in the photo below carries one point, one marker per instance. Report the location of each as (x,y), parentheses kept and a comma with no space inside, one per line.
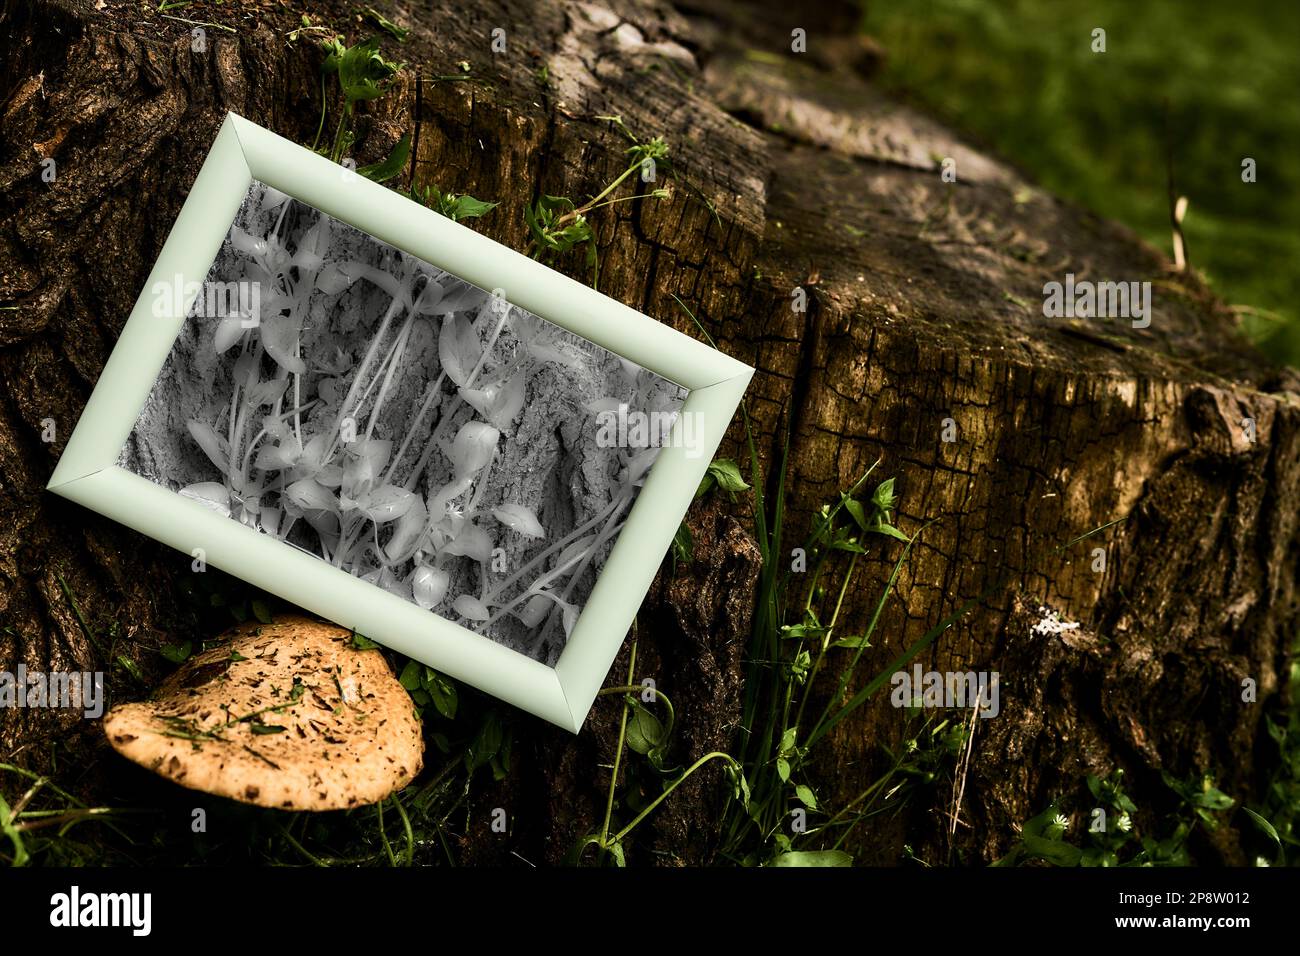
(410,678)
(706,484)
(390,167)
(801,631)
(1264,825)
(740,786)
(262,612)
(131,667)
(263,729)
(1053,851)
(486,743)
(854,508)
(855,641)
(467,207)
(388,26)
(1213,799)
(237,657)
(363,71)
(334,51)
(644,730)
(889,530)
(176,653)
(727,474)
(683,544)
(783,769)
(363,643)
(443,691)
(1094,786)
(813,858)
(884,498)
(787,741)
(806,796)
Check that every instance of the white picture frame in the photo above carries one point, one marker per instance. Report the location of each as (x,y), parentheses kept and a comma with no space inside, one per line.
(88,473)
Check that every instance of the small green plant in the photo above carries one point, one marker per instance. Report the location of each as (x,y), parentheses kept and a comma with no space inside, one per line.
(794,638)
(454,207)
(644,733)
(363,74)
(37,825)
(1112,835)
(1278,818)
(557,224)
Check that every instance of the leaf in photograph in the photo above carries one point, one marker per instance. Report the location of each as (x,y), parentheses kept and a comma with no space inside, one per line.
(458,348)
(271,457)
(520,518)
(571,556)
(280,333)
(640,463)
(470,608)
(534,610)
(334,278)
(276,428)
(471,542)
(214,446)
(177,653)
(245,243)
(310,495)
(229,331)
(386,503)
(500,402)
(460,296)
(410,527)
(429,586)
(265,393)
(473,447)
(310,254)
(212,494)
(366,462)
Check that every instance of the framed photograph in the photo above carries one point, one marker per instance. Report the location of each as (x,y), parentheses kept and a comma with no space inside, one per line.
(357,404)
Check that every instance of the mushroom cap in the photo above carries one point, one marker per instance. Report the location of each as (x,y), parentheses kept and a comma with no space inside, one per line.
(287,715)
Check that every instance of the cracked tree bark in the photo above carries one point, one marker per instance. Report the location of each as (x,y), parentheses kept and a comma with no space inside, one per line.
(789,171)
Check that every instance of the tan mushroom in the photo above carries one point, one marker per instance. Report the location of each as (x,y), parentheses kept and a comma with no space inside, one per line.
(287,715)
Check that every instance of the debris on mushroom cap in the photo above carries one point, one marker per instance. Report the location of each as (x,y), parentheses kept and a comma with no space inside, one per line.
(287,715)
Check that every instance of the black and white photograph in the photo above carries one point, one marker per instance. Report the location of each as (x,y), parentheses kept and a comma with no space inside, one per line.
(405,426)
